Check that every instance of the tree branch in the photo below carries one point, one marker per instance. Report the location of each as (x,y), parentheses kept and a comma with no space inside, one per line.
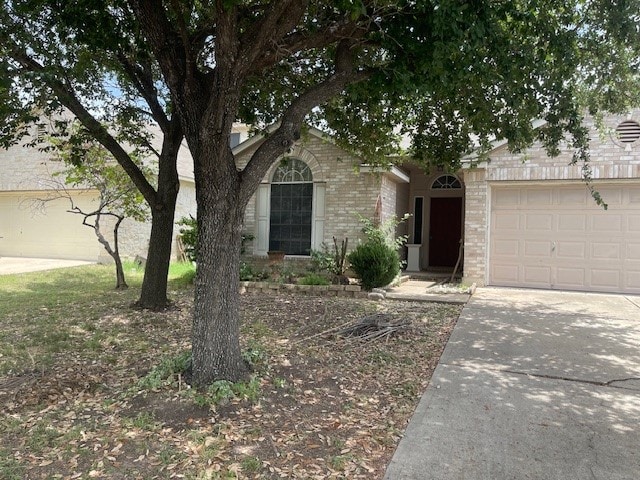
(167,45)
(67,97)
(289,129)
(142,79)
(279,19)
(299,41)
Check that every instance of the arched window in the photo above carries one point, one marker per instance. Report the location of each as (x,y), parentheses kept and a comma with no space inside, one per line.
(291,208)
(446,181)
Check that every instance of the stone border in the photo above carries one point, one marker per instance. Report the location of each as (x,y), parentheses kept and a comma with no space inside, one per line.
(353,291)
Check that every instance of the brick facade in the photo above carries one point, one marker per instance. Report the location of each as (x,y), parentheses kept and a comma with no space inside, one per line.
(347,192)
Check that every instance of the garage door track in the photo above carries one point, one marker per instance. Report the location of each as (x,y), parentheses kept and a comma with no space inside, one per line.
(532,385)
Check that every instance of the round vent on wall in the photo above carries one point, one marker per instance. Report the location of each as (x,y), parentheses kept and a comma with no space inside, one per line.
(628,132)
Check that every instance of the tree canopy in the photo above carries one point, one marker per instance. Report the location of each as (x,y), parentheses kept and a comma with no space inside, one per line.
(450,74)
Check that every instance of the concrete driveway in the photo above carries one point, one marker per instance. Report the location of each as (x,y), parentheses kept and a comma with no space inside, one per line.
(9,265)
(532,385)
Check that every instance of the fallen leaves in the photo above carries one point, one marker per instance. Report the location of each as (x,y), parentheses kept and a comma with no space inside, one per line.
(327,408)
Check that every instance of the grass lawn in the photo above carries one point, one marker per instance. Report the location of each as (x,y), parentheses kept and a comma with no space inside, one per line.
(89,386)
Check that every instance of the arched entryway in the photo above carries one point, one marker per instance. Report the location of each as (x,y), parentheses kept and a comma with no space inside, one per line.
(437,223)
(445,221)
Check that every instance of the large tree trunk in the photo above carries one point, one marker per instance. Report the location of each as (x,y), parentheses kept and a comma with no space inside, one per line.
(153,294)
(216,326)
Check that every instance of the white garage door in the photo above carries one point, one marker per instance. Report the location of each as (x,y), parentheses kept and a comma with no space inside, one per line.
(556,237)
(51,232)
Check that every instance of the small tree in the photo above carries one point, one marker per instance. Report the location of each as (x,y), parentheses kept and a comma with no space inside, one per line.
(90,166)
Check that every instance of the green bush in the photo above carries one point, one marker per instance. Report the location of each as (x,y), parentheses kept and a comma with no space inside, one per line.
(246,272)
(189,235)
(333,262)
(375,262)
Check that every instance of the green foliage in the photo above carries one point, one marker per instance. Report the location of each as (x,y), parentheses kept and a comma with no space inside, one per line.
(384,232)
(90,165)
(182,273)
(375,262)
(189,235)
(224,391)
(165,373)
(331,261)
(313,279)
(143,421)
(10,468)
(250,464)
(255,356)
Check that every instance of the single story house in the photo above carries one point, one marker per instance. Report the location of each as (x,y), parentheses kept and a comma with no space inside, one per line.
(521,219)
(524,220)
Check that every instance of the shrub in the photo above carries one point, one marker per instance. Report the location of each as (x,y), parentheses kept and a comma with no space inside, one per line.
(246,272)
(325,260)
(189,236)
(375,262)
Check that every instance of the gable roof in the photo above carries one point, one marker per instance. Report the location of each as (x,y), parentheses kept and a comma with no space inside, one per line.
(258,137)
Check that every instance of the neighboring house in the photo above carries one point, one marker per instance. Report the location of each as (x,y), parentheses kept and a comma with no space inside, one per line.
(49,230)
(523,219)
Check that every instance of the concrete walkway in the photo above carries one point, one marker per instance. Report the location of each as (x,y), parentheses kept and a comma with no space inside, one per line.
(532,385)
(425,291)
(10,265)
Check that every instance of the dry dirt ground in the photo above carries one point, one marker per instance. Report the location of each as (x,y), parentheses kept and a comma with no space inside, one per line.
(320,406)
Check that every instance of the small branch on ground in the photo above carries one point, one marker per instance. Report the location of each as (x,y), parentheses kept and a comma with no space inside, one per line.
(374,327)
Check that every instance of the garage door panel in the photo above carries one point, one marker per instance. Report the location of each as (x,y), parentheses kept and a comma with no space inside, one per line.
(634,196)
(572,197)
(607,222)
(611,195)
(537,276)
(507,275)
(633,251)
(506,198)
(570,250)
(559,238)
(508,248)
(632,279)
(537,248)
(572,223)
(50,231)
(508,221)
(605,279)
(610,251)
(571,277)
(539,197)
(540,222)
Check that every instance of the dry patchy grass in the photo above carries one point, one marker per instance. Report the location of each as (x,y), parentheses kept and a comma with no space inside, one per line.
(71,366)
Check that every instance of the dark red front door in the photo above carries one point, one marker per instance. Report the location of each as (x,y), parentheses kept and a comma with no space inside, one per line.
(445,231)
